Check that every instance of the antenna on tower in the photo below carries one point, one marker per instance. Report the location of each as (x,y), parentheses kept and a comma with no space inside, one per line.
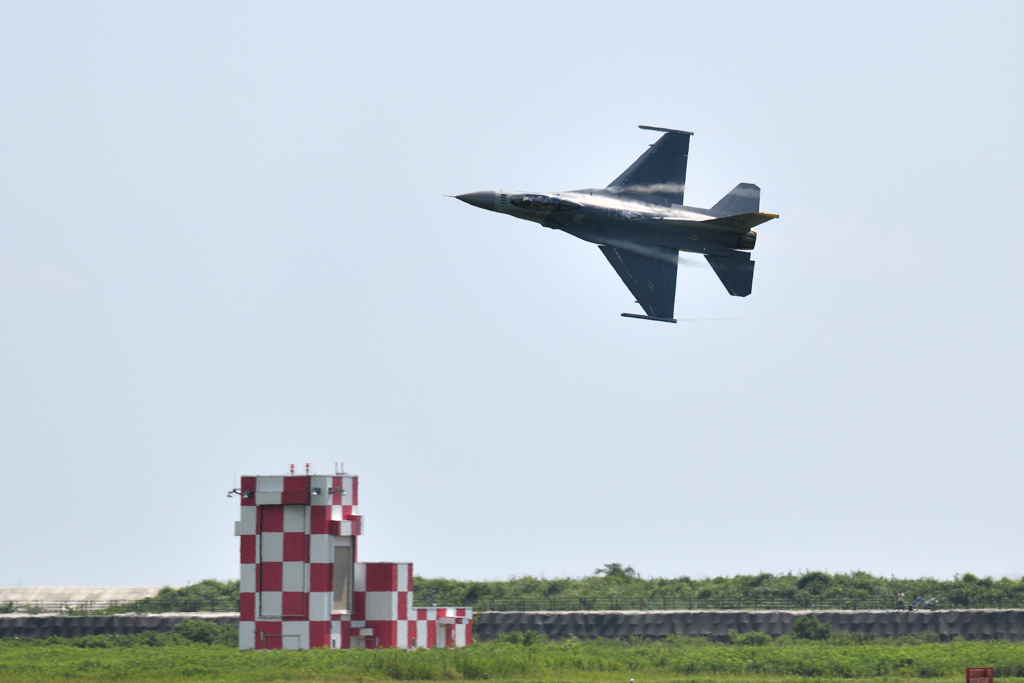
(339,468)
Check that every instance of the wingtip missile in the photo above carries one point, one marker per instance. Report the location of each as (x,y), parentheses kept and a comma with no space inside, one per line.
(666,130)
(648,317)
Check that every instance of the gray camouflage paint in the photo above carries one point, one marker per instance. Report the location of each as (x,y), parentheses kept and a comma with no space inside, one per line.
(641,223)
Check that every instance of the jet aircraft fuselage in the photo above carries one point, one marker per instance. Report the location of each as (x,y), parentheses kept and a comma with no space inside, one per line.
(641,224)
(607,217)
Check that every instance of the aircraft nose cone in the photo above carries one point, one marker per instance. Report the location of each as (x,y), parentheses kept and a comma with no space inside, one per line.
(481,200)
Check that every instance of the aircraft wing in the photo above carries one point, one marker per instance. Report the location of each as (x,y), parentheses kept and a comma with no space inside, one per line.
(661,170)
(650,274)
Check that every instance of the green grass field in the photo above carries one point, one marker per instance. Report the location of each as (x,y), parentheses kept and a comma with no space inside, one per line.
(155,657)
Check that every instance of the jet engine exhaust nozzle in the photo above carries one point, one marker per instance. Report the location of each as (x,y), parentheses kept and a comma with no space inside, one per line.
(748,240)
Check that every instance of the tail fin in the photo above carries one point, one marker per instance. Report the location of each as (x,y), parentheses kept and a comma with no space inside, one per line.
(745,198)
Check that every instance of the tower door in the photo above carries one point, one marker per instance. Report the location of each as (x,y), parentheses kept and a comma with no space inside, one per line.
(342,578)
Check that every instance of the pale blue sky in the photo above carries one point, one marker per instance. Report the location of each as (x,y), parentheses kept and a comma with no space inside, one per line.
(224,247)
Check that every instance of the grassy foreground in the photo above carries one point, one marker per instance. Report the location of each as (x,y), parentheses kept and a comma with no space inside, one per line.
(171,658)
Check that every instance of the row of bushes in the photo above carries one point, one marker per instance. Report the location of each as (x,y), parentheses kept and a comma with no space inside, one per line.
(809,589)
(209,595)
(617,587)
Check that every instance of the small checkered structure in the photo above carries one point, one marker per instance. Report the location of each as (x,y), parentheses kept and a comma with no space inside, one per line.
(302,585)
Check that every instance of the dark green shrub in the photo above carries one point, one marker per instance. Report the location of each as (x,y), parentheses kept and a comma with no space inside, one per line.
(809,628)
(150,638)
(95,641)
(531,637)
(815,583)
(526,639)
(199,631)
(752,638)
(615,570)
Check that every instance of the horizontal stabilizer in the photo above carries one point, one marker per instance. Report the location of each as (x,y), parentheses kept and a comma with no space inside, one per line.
(736,271)
(743,222)
(744,198)
(739,223)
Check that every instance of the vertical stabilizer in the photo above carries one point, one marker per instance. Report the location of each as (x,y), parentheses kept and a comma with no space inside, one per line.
(745,198)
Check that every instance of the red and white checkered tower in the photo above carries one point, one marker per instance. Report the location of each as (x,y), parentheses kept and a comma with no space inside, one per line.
(302,585)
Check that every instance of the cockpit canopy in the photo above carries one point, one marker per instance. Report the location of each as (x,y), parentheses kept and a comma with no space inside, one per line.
(541,202)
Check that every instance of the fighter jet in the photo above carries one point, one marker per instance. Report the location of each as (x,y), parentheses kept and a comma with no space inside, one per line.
(641,224)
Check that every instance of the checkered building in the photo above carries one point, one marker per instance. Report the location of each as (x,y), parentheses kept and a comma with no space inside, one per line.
(302,585)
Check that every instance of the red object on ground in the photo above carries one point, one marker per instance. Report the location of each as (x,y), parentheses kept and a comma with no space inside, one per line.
(979,675)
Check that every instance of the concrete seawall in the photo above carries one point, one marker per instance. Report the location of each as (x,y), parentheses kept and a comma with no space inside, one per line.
(968,624)
(47,625)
